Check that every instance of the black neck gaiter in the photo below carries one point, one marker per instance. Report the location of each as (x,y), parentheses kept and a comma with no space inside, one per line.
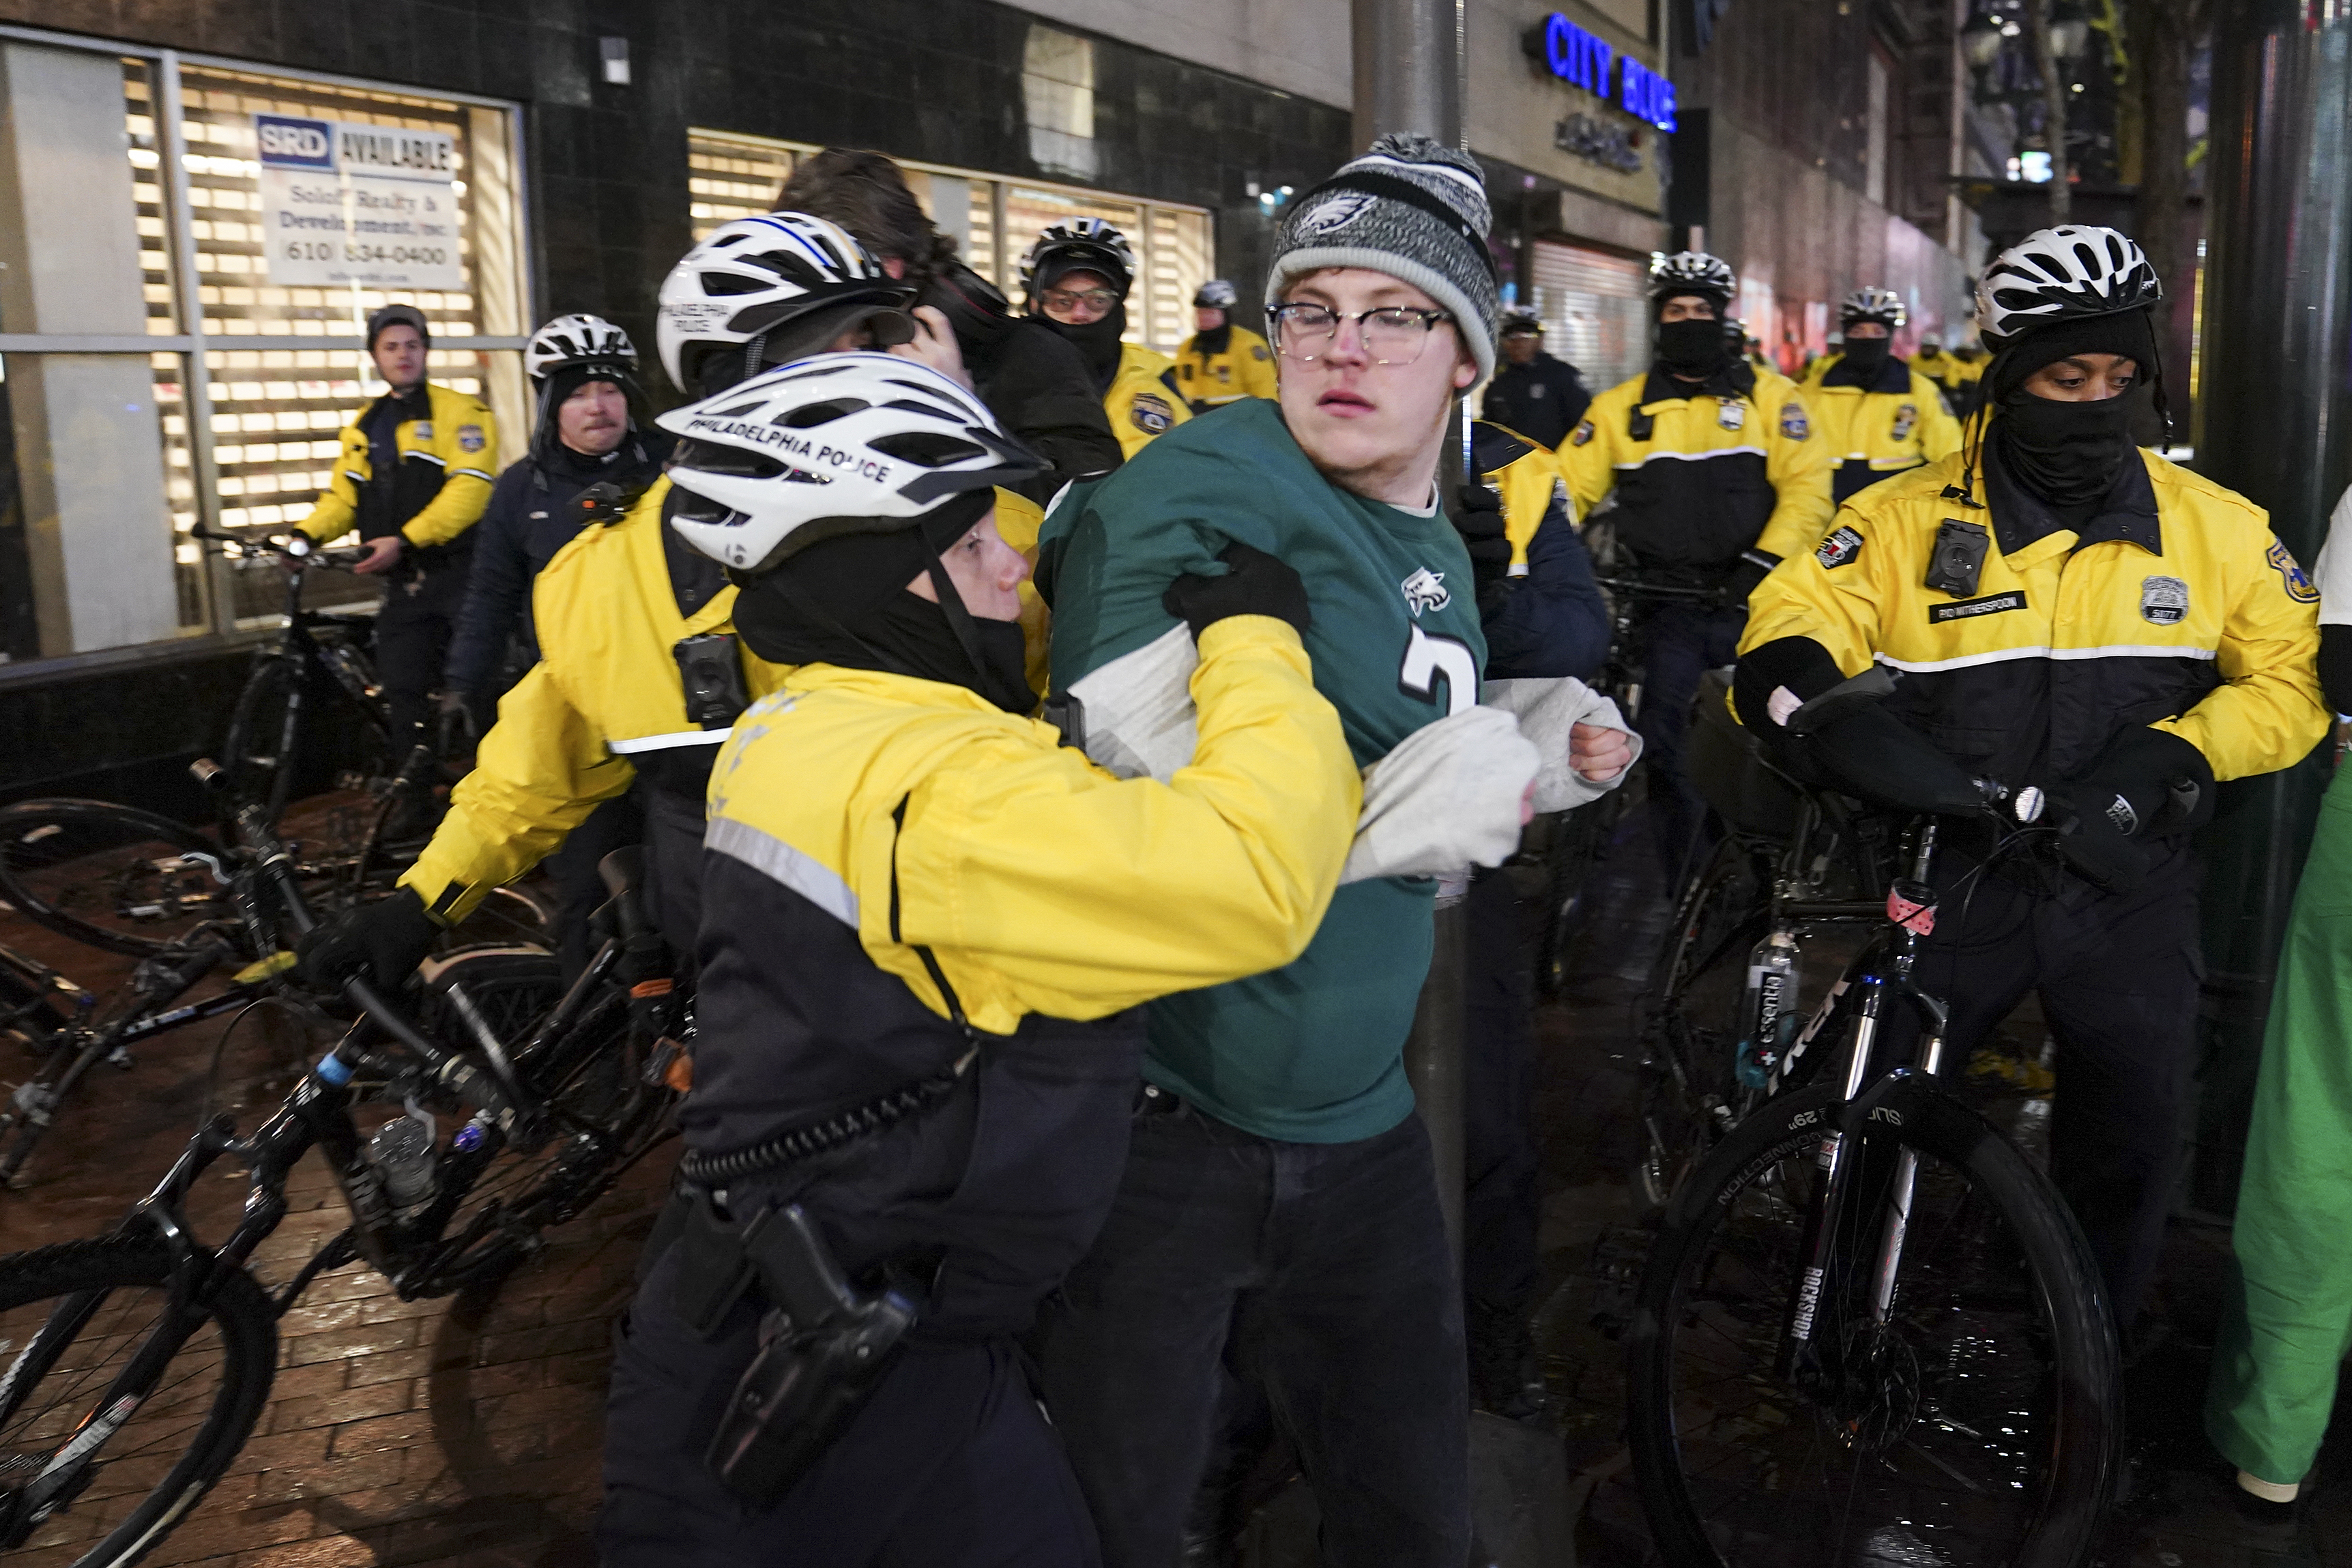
(1691,349)
(2066,453)
(1865,357)
(1213,342)
(844,602)
(1098,342)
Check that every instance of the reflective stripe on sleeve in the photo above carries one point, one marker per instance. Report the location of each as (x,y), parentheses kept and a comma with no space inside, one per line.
(780,862)
(670,741)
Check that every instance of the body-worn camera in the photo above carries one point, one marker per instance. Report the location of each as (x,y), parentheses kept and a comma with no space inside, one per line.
(710,667)
(1959,558)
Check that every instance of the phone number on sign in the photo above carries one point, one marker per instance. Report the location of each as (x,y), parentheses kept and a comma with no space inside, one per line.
(399,255)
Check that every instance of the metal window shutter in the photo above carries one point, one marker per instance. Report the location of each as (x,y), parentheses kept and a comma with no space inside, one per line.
(1595,310)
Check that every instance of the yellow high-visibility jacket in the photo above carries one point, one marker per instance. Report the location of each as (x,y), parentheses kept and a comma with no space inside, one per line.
(1700,479)
(447,466)
(923,816)
(2182,612)
(1243,368)
(1525,476)
(1898,421)
(1143,401)
(606,688)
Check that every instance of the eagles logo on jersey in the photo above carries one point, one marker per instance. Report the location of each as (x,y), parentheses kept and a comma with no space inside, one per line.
(1426,590)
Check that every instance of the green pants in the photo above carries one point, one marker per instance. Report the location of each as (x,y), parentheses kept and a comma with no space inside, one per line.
(2287,1319)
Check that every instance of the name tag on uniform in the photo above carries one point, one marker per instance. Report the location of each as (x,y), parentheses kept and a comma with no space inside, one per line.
(1969,609)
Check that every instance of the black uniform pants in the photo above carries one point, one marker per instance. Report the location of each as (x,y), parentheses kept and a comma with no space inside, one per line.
(1327,1266)
(579,888)
(1680,643)
(1502,1203)
(411,636)
(2117,977)
(949,1465)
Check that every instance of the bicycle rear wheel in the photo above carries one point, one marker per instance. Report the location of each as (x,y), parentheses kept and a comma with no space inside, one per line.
(264,732)
(1975,1428)
(72,1316)
(109,876)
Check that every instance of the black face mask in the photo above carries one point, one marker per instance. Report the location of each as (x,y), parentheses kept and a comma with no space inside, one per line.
(2066,453)
(1867,356)
(1098,342)
(1692,349)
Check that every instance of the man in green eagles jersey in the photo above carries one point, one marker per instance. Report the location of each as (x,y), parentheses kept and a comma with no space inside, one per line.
(1279,1195)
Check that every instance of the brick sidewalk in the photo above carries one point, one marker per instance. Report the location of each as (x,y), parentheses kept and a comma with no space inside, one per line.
(460,1431)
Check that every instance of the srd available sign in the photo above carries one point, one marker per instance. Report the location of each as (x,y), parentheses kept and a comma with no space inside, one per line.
(344,202)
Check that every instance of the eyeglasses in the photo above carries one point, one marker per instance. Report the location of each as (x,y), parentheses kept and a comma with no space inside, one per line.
(1069,298)
(1392,334)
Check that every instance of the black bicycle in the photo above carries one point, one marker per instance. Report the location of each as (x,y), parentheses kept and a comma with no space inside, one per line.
(1568,849)
(1869,1330)
(141,1360)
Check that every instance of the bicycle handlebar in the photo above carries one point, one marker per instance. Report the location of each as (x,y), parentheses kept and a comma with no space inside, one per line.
(1641,588)
(297,549)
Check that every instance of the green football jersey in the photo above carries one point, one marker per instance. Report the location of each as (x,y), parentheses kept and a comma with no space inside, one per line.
(1312,1052)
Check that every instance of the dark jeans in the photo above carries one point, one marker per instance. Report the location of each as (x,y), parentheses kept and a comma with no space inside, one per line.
(1502,1204)
(1327,1266)
(950,1464)
(1679,644)
(578,889)
(2118,982)
(412,636)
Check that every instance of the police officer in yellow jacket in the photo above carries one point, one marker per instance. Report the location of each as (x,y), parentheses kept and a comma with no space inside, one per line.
(640,673)
(414,473)
(929,925)
(1877,414)
(1077,276)
(1222,362)
(1719,474)
(2061,609)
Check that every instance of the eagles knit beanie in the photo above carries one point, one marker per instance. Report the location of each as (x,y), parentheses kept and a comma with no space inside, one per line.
(1414,209)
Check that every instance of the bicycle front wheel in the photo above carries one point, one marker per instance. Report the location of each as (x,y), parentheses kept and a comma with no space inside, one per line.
(1690,1088)
(1975,1427)
(110,876)
(139,1448)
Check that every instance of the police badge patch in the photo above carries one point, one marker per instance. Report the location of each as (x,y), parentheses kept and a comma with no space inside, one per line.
(1258,352)
(1151,414)
(422,429)
(1731,415)
(1582,434)
(2298,586)
(470,438)
(1839,549)
(2163,601)
(1792,421)
(1905,418)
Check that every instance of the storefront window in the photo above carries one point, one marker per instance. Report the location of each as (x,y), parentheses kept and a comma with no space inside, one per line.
(296,210)
(993,222)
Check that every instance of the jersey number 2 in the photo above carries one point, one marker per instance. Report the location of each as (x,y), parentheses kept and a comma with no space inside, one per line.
(1429,659)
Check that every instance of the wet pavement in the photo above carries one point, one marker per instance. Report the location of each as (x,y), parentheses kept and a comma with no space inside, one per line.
(466,1431)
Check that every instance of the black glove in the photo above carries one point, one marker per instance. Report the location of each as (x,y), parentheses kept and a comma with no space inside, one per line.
(1258,584)
(381,942)
(1752,567)
(1477,517)
(2090,842)
(2149,782)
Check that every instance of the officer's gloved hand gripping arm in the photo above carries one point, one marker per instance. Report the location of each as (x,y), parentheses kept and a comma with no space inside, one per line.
(1043,884)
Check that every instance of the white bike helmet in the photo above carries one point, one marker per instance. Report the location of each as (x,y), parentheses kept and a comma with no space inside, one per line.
(840,444)
(1216,294)
(577,339)
(764,289)
(1088,245)
(2069,273)
(1883,306)
(1690,272)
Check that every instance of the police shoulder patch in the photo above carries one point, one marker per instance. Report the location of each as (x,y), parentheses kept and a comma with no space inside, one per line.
(1258,352)
(1793,424)
(470,438)
(1151,414)
(1581,434)
(2298,586)
(1840,549)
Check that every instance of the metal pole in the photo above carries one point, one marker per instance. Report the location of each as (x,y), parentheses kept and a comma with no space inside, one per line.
(1409,76)
(2278,304)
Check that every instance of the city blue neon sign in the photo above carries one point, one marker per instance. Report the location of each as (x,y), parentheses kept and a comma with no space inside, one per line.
(1578,58)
